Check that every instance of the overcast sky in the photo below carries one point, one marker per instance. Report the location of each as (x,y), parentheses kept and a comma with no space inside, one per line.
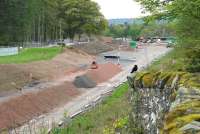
(113,9)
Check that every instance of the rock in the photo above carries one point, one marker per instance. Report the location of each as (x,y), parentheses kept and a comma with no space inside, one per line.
(164,102)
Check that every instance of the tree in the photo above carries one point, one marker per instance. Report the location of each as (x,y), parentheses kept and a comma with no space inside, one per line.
(26,21)
(187,19)
(135,31)
(81,16)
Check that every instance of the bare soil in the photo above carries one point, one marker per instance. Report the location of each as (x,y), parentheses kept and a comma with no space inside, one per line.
(20,109)
(24,106)
(97,47)
(104,72)
(14,76)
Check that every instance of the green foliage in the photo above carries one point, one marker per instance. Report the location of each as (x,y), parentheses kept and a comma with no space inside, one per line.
(31,54)
(151,5)
(118,126)
(173,61)
(160,28)
(111,111)
(193,58)
(81,16)
(186,15)
(135,31)
(45,20)
(124,31)
(149,29)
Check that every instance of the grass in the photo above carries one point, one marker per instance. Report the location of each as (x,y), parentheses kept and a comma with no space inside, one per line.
(173,61)
(113,109)
(30,55)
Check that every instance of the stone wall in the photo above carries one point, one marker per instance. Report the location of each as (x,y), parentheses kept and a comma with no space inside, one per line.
(165,102)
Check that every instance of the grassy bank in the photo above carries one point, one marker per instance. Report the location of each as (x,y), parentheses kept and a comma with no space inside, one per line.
(31,54)
(173,61)
(112,112)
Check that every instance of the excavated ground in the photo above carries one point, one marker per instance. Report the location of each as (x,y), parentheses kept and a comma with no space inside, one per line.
(32,89)
(13,77)
(97,47)
(20,109)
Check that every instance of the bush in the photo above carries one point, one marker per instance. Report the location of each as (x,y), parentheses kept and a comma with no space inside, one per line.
(193,59)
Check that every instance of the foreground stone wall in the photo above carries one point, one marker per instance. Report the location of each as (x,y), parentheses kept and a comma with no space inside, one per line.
(165,102)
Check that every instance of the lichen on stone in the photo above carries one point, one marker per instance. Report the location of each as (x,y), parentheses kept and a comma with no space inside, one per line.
(179,90)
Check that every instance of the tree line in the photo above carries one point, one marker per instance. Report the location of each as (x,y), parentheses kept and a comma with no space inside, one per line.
(185,15)
(147,28)
(45,20)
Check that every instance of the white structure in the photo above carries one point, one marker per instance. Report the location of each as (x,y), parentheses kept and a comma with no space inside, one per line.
(8,51)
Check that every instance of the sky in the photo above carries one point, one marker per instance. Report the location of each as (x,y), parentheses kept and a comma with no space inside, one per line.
(113,9)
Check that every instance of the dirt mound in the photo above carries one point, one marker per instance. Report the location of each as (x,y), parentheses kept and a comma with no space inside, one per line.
(18,110)
(15,76)
(84,82)
(104,72)
(96,47)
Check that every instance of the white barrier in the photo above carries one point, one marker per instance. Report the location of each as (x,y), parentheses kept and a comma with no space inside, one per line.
(8,51)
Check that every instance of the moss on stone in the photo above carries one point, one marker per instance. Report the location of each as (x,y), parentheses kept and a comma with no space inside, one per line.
(138,79)
(185,112)
(179,122)
(190,80)
(151,79)
(147,80)
(182,115)
(182,110)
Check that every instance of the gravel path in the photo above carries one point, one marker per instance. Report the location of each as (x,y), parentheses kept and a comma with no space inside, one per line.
(89,98)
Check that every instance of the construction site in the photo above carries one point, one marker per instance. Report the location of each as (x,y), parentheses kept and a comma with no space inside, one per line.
(41,92)
(99,67)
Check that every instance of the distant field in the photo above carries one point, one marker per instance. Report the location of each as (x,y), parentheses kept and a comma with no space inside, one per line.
(31,54)
(103,117)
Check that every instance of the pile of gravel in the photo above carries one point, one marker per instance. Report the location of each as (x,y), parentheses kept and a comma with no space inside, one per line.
(84,82)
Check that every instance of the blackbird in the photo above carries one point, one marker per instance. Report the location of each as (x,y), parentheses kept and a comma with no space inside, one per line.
(135,68)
